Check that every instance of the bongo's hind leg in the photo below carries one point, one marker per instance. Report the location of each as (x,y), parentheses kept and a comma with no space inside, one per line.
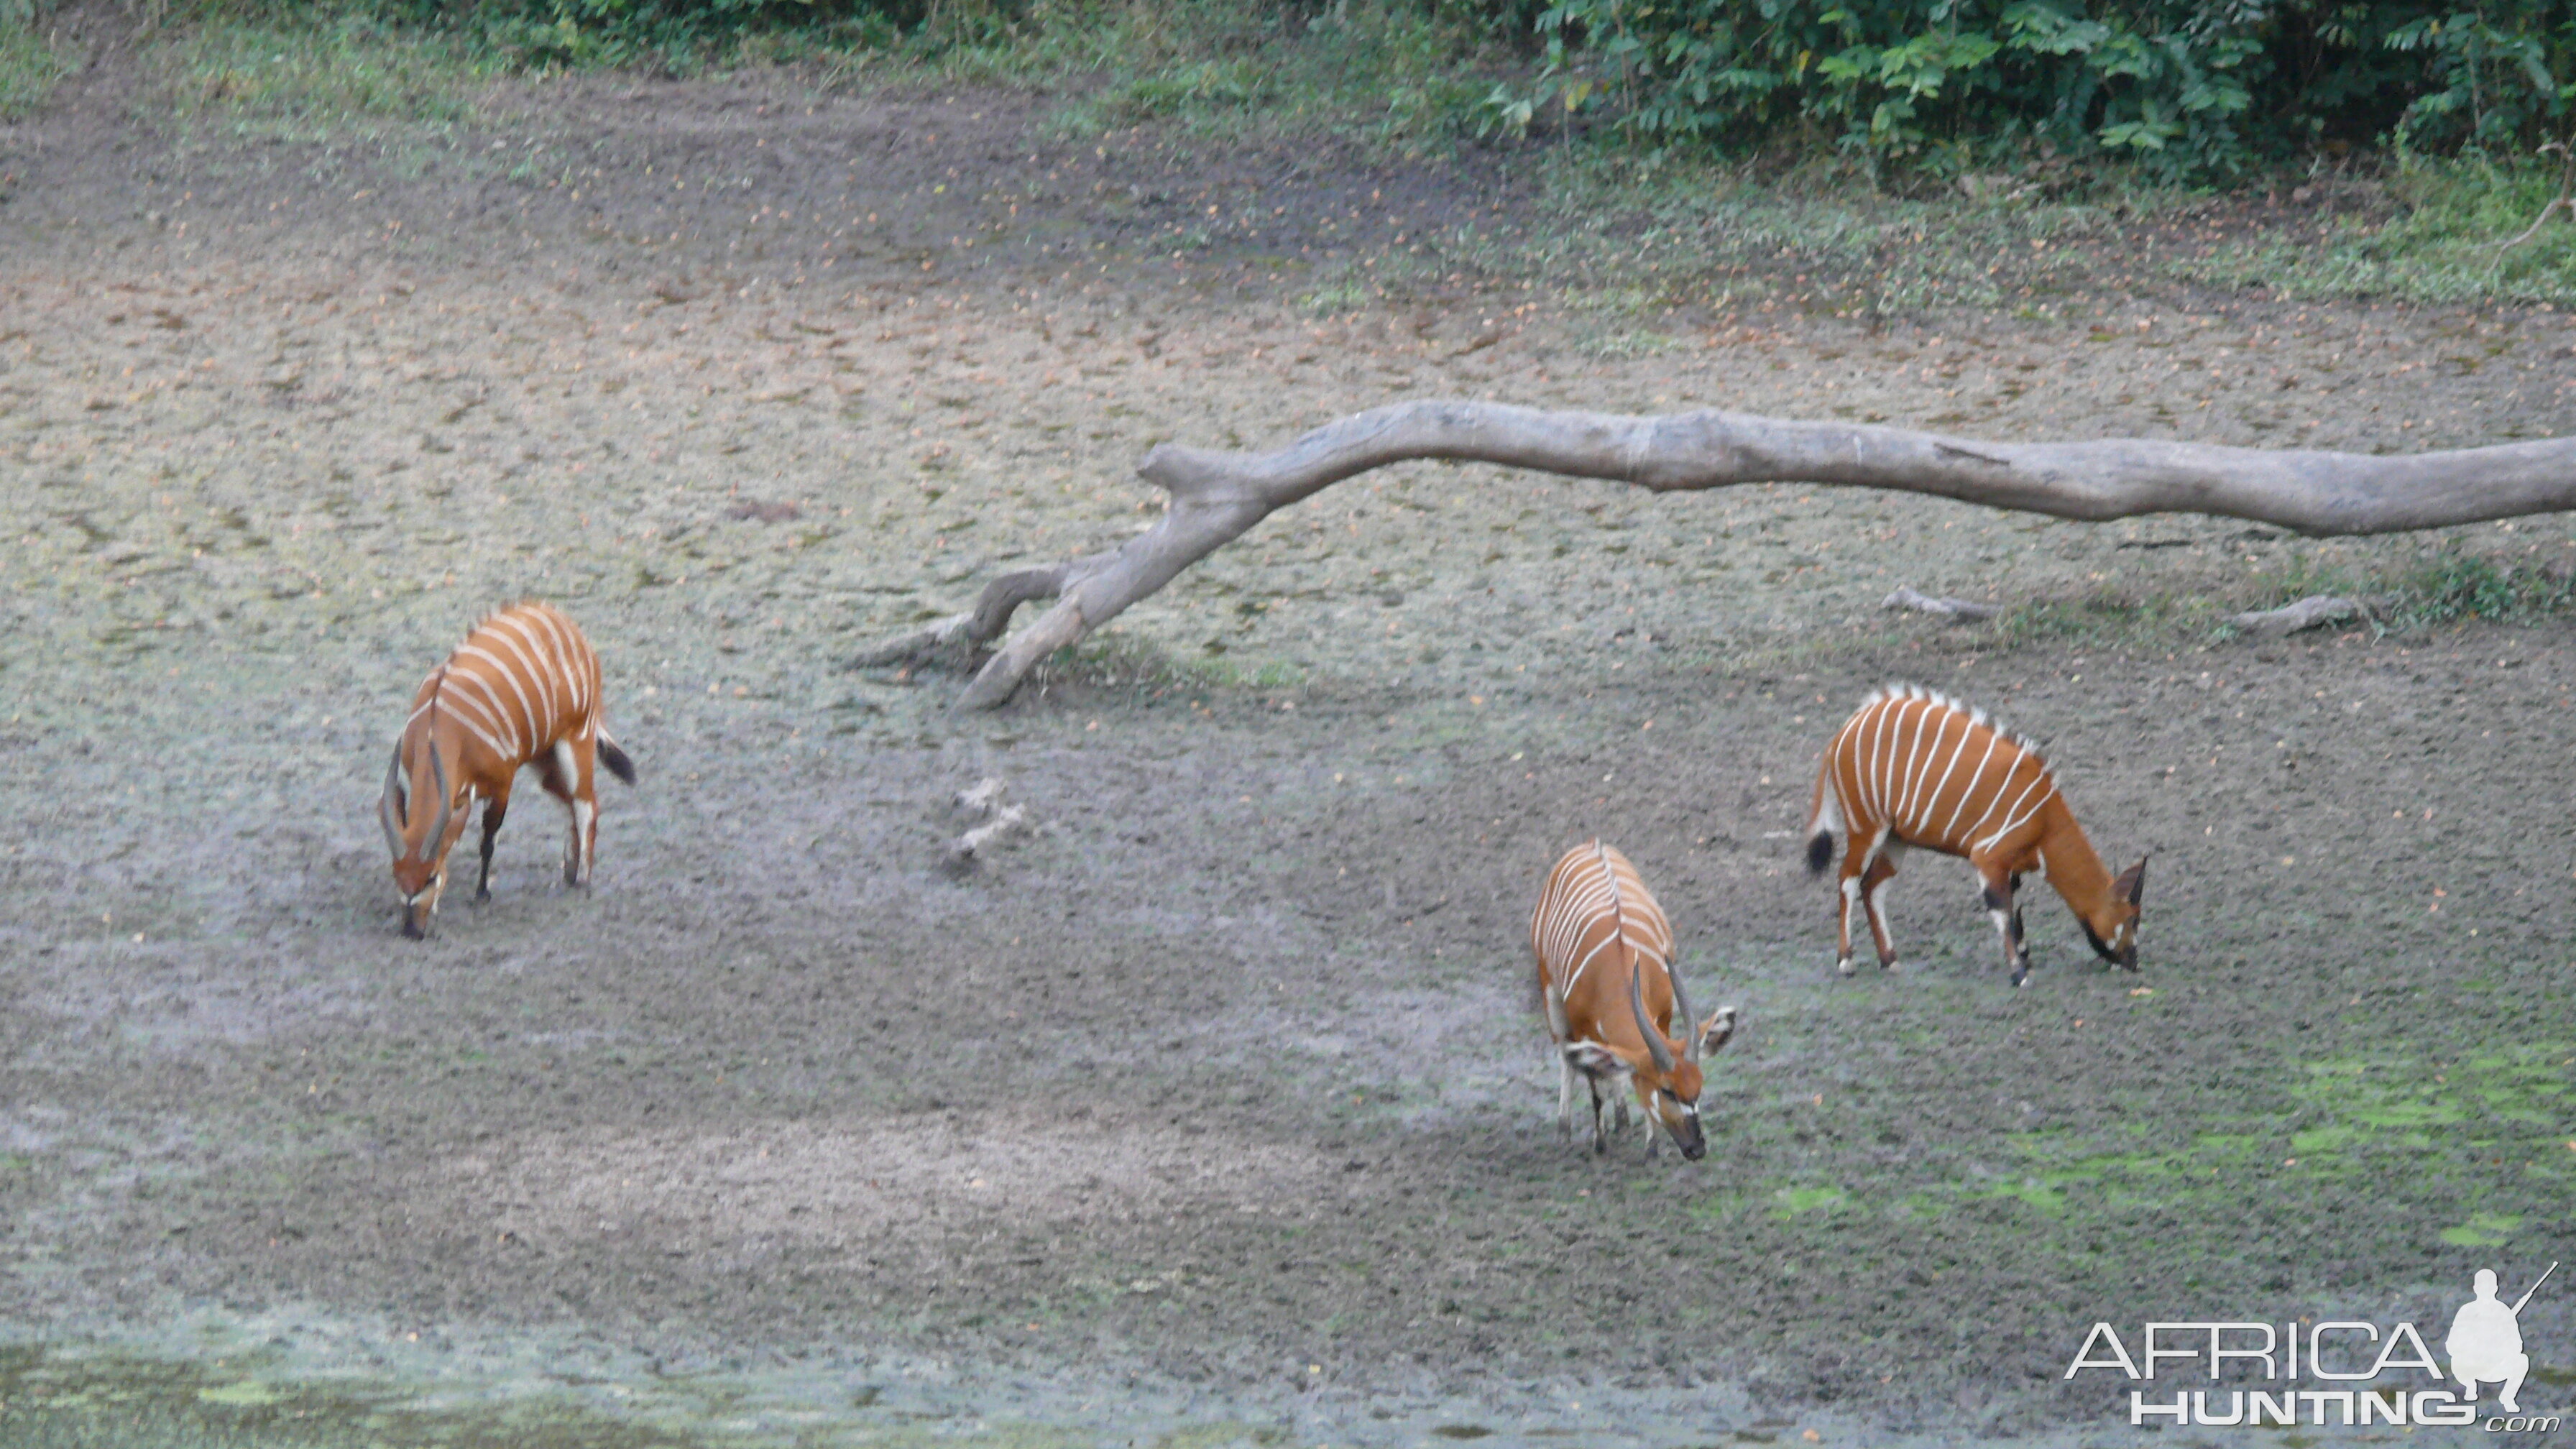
(1880,872)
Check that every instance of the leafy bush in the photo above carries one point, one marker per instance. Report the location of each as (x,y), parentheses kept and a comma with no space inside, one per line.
(2196,89)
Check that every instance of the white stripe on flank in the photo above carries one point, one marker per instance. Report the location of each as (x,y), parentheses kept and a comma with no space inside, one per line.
(1949,827)
(510,677)
(538,623)
(1869,762)
(1900,767)
(1846,759)
(2014,822)
(1931,803)
(488,700)
(1883,773)
(2038,779)
(1994,802)
(540,675)
(567,658)
(1923,769)
(478,732)
(1918,757)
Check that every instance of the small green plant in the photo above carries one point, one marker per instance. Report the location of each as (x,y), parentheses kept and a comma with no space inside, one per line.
(2448,586)
(2453,587)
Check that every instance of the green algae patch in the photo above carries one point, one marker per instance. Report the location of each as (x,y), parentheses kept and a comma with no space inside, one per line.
(57,1398)
(2483,1230)
(1790,1202)
(248,1394)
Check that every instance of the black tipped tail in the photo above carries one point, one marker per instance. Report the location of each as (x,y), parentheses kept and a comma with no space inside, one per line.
(1820,852)
(615,759)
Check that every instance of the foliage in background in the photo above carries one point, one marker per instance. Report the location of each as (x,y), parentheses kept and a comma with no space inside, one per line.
(2059,122)
(2198,90)
(2192,90)
(30,61)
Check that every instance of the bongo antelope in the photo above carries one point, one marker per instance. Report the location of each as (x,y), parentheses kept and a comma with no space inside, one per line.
(1613,998)
(523,689)
(1915,768)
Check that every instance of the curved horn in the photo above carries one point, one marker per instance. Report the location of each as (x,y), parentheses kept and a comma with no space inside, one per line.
(446,803)
(1656,1046)
(385,804)
(1682,1012)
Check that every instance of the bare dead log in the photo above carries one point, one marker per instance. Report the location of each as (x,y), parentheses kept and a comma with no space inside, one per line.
(1957,611)
(1215,497)
(2290,618)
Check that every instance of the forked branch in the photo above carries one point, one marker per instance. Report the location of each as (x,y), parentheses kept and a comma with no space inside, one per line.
(1216,497)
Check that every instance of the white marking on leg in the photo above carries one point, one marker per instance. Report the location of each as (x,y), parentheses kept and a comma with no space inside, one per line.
(583,814)
(1880,938)
(1851,896)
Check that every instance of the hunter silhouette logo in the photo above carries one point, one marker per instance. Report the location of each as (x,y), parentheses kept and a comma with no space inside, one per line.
(2325,1371)
(2486,1340)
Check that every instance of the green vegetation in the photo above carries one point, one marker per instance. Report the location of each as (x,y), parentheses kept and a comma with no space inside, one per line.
(30,60)
(2441,586)
(2191,89)
(321,76)
(1851,159)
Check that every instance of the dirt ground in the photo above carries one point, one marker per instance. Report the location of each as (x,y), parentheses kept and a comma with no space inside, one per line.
(1218,1107)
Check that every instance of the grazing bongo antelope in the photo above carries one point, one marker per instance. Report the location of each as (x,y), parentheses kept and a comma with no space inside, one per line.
(1915,768)
(1606,974)
(523,689)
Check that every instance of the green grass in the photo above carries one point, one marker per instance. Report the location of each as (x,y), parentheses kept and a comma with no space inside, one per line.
(1380,72)
(31,61)
(2438,586)
(2447,585)
(2453,239)
(1122,661)
(319,79)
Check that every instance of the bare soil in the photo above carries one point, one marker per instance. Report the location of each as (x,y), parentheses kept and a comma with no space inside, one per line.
(1220,1101)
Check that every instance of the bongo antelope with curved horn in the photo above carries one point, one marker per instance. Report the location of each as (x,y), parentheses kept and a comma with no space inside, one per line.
(523,689)
(1915,768)
(1614,998)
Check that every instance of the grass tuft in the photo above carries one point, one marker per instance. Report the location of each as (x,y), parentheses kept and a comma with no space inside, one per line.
(319,78)
(32,62)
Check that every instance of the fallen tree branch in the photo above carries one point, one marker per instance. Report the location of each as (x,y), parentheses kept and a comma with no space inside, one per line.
(1958,611)
(2290,618)
(1215,497)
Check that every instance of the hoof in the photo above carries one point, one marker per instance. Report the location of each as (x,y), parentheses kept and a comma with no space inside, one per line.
(1844,966)
(482,895)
